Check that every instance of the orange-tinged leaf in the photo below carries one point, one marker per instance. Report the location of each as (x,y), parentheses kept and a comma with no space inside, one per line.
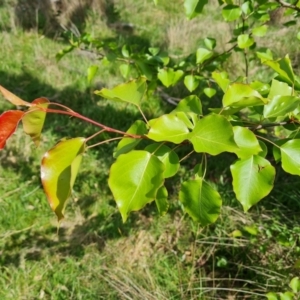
(13,98)
(8,123)
(59,169)
(33,120)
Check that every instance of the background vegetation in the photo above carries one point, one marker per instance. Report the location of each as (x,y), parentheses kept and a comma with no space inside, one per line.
(94,255)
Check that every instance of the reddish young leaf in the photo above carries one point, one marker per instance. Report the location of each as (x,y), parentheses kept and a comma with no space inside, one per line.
(8,123)
(13,98)
(59,169)
(33,120)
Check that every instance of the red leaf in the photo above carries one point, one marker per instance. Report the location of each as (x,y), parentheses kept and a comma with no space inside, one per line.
(8,123)
(13,98)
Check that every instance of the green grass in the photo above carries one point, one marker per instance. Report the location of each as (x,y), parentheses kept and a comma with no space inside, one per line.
(94,255)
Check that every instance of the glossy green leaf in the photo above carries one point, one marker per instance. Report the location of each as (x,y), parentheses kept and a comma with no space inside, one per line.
(9,121)
(34,119)
(231,12)
(161,200)
(242,95)
(168,128)
(125,51)
(209,92)
(290,156)
(265,56)
(279,88)
(202,55)
(127,143)
(200,201)
(264,148)
(245,41)
(190,104)
(169,77)
(252,180)
(130,92)
(134,180)
(279,106)
(187,118)
(247,7)
(261,87)
(295,284)
(287,296)
(271,296)
(260,31)
(246,141)
(124,70)
(59,169)
(191,82)
(194,7)
(167,156)
(221,79)
(283,67)
(213,134)
(210,43)
(91,73)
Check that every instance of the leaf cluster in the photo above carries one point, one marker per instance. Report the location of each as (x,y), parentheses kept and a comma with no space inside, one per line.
(256,121)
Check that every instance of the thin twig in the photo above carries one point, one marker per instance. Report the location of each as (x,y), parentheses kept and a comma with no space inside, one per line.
(288,5)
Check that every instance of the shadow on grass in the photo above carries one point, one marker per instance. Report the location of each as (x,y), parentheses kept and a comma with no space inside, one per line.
(95,229)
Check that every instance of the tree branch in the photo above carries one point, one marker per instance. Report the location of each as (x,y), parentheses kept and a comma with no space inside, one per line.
(288,5)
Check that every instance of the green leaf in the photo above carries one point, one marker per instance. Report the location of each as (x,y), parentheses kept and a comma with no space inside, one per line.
(194,7)
(169,77)
(167,156)
(161,200)
(246,141)
(210,43)
(59,169)
(191,82)
(260,31)
(190,104)
(231,12)
(200,201)
(279,88)
(290,156)
(213,134)
(287,296)
(295,284)
(130,92)
(247,7)
(283,67)
(264,56)
(271,296)
(33,120)
(125,51)
(127,144)
(124,69)
(261,87)
(91,73)
(168,128)
(221,79)
(202,55)
(186,118)
(264,148)
(279,106)
(245,41)
(134,180)
(242,95)
(209,92)
(252,180)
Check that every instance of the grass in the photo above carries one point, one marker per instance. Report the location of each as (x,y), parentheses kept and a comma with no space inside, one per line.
(94,255)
